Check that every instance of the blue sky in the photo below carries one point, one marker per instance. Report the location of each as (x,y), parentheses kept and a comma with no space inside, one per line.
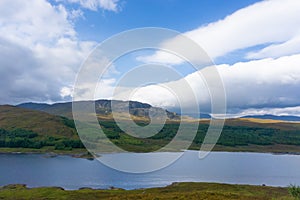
(254,44)
(178,15)
(174,14)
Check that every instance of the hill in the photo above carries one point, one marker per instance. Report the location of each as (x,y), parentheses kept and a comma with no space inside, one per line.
(42,123)
(26,128)
(103,108)
(264,123)
(274,117)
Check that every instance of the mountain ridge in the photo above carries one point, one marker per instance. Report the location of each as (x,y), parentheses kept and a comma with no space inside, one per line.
(137,109)
(102,107)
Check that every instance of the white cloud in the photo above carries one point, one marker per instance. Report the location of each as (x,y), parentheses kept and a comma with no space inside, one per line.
(295,111)
(75,14)
(262,83)
(26,22)
(88,90)
(39,51)
(66,91)
(289,47)
(267,83)
(111,5)
(266,86)
(271,22)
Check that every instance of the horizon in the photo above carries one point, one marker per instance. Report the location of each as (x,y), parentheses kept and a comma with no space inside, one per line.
(227,116)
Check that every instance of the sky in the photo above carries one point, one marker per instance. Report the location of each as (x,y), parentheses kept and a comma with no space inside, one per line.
(255,45)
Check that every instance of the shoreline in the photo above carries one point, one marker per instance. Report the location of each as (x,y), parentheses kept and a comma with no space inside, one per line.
(78,153)
(135,189)
(83,153)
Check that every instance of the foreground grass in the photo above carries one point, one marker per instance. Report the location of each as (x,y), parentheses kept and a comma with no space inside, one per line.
(175,191)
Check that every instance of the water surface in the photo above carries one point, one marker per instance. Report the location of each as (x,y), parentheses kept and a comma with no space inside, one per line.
(37,170)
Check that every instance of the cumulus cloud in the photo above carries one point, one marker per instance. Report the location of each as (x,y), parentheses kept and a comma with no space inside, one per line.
(110,5)
(25,22)
(289,47)
(295,111)
(39,51)
(261,84)
(274,23)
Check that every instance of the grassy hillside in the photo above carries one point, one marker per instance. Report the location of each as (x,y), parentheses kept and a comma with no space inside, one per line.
(264,123)
(189,191)
(40,122)
(34,129)
(237,135)
(275,117)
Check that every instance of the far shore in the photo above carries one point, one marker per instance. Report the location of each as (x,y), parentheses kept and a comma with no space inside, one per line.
(83,153)
(76,153)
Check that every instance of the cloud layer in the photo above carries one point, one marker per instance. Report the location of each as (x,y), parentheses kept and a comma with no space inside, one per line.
(110,5)
(267,36)
(260,85)
(274,24)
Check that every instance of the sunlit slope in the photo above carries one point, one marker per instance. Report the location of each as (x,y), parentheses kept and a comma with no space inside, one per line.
(264,123)
(42,123)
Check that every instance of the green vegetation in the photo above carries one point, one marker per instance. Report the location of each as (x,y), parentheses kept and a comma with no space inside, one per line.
(23,128)
(68,122)
(232,136)
(190,191)
(244,135)
(29,139)
(294,191)
(30,129)
(39,122)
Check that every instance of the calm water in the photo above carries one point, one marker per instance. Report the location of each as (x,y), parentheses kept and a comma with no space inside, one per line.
(73,173)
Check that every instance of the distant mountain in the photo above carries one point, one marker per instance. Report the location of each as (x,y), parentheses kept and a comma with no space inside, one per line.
(191,114)
(61,109)
(103,108)
(34,106)
(274,117)
(202,115)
